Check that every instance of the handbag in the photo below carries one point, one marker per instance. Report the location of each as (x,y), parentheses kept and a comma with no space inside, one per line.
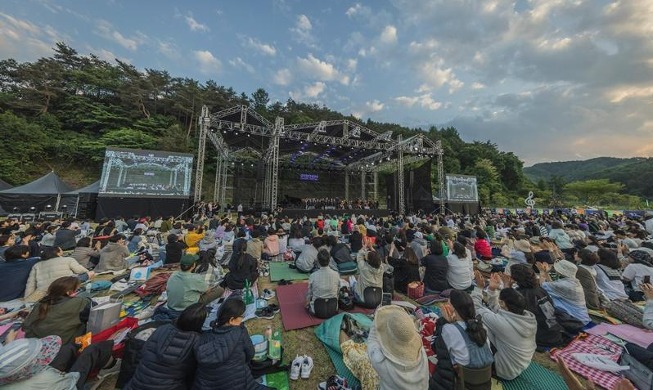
(104,316)
(415,290)
(128,323)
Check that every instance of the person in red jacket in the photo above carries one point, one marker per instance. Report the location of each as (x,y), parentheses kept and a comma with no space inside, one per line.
(482,246)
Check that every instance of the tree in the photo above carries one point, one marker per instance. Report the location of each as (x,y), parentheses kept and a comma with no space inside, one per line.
(260,100)
(590,191)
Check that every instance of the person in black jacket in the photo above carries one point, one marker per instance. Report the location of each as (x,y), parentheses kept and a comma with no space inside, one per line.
(339,252)
(174,249)
(223,355)
(550,333)
(435,275)
(64,238)
(168,359)
(406,270)
(241,268)
(355,240)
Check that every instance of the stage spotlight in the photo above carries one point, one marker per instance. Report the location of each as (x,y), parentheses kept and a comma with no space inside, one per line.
(48,207)
(15,209)
(32,209)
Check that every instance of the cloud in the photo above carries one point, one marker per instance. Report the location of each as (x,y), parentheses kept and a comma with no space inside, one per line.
(169,49)
(309,92)
(239,63)
(263,48)
(321,70)
(23,40)
(282,77)
(374,105)
(425,101)
(389,35)
(302,32)
(194,25)
(106,30)
(208,64)
(434,76)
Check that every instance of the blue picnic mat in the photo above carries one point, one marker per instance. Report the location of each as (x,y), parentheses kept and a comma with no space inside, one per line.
(536,377)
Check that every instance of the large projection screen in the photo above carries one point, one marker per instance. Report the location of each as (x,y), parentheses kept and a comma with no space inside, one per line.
(462,188)
(146,173)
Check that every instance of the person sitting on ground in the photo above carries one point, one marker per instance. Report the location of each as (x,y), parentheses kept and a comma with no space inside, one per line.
(566,292)
(194,235)
(48,237)
(482,246)
(608,275)
(307,260)
(208,243)
(185,288)
(6,241)
(356,241)
(460,342)
(223,355)
(168,356)
(241,269)
(437,266)
(639,271)
(255,245)
(65,237)
(586,275)
(549,332)
(174,249)
(60,312)
(406,270)
(419,245)
(29,239)
(14,272)
(271,244)
(460,270)
(136,241)
(53,265)
(113,257)
(511,328)
(323,283)
(85,255)
(561,238)
(370,272)
(31,363)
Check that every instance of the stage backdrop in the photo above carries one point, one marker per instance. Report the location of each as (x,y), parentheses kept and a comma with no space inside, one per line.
(461,188)
(417,192)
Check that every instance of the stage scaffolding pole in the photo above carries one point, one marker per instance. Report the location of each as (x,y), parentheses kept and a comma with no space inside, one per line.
(346,184)
(376,185)
(274,180)
(222,199)
(205,121)
(218,179)
(363,174)
(400,175)
(441,175)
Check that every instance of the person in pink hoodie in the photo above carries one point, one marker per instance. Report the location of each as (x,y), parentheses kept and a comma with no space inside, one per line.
(271,244)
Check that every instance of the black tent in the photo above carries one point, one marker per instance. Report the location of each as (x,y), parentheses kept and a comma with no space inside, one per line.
(4,185)
(48,190)
(86,200)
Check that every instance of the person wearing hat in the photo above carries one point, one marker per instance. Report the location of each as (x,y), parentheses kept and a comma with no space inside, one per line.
(638,272)
(566,292)
(43,363)
(395,350)
(185,288)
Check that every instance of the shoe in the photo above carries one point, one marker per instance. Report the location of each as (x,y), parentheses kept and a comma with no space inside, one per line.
(115,369)
(284,282)
(266,272)
(268,294)
(296,368)
(307,367)
(266,313)
(274,308)
(334,382)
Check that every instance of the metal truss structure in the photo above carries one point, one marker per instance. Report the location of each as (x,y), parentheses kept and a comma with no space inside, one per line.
(241,131)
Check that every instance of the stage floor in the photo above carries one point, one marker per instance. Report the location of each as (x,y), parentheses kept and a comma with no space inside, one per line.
(313,213)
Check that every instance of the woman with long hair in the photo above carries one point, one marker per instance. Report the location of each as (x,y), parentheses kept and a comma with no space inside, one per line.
(586,275)
(608,275)
(60,312)
(437,267)
(461,340)
(406,270)
(241,268)
(460,272)
(223,355)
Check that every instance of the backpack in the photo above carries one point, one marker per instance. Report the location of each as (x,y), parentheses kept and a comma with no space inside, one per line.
(345,298)
(478,373)
(154,285)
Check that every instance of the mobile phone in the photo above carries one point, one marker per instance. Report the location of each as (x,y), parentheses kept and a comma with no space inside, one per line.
(647,279)
(387,299)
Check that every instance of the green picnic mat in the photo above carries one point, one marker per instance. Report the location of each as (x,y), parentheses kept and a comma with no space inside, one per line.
(536,377)
(278,380)
(341,368)
(281,270)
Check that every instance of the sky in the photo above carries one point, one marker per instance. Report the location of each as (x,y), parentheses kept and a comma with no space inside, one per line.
(550,80)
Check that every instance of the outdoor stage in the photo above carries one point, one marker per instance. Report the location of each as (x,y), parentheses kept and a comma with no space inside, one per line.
(313,213)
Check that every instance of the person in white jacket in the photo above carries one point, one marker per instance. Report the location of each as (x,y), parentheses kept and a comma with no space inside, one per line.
(648,309)
(511,328)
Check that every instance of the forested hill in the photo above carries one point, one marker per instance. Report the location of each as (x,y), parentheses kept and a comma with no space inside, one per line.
(61,112)
(635,173)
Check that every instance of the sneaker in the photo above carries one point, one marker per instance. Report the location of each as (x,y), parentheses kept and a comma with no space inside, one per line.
(274,308)
(296,368)
(334,382)
(307,367)
(105,372)
(266,313)
(268,294)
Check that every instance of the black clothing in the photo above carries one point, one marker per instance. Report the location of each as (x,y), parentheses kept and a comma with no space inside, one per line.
(341,253)
(174,251)
(435,275)
(444,377)
(356,241)
(235,278)
(549,332)
(65,238)
(404,273)
(92,358)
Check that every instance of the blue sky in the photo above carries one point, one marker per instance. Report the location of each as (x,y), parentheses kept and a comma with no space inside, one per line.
(550,80)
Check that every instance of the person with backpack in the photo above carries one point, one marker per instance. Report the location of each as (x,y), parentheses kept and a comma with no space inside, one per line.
(511,328)
(461,345)
(167,359)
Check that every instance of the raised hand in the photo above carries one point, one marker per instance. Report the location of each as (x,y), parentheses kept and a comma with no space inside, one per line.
(495,282)
(480,280)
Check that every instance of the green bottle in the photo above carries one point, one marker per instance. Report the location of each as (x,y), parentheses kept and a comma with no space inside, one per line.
(274,348)
(248,297)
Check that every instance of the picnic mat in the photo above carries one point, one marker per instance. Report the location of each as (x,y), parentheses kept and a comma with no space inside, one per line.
(277,380)
(280,271)
(341,368)
(292,301)
(630,333)
(535,377)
